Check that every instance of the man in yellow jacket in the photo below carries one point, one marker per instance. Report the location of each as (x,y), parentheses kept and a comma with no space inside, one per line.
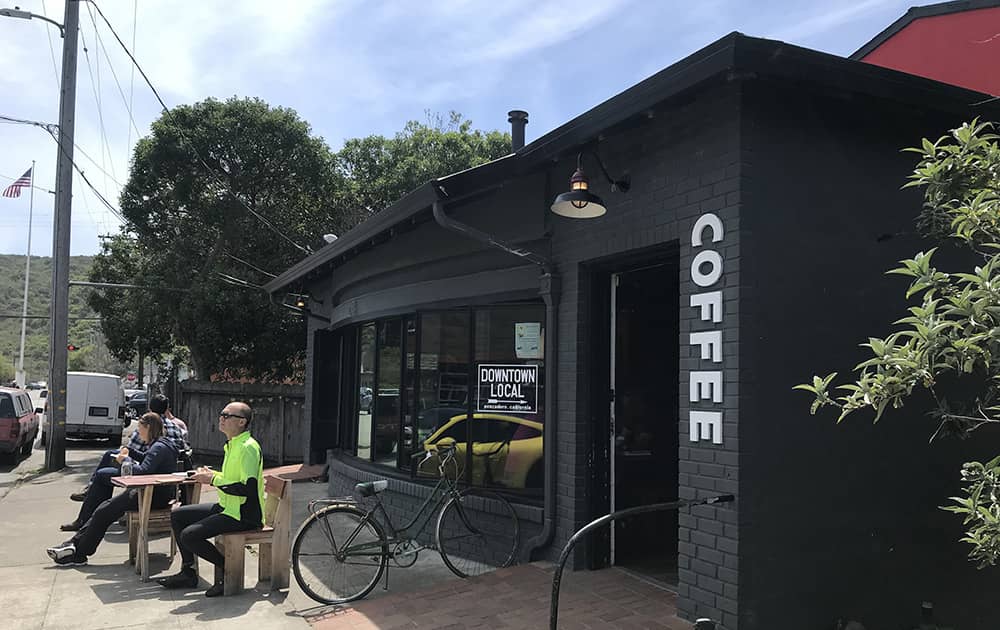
(241,500)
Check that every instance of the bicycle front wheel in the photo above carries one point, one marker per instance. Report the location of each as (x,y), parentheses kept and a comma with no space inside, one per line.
(338,556)
(477,532)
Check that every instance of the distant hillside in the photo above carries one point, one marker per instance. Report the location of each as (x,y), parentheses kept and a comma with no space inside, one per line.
(84,329)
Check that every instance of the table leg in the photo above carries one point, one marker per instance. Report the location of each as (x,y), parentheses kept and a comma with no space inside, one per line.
(145,504)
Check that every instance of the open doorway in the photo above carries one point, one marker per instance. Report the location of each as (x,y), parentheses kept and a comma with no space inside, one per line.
(643,407)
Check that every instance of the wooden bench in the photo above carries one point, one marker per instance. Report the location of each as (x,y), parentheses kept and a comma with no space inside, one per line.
(274,540)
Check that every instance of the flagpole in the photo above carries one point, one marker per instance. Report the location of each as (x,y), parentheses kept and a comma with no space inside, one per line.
(27,271)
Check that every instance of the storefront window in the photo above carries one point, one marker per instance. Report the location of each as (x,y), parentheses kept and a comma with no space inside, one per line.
(506,428)
(410,443)
(366,389)
(387,397)
(421,376)
(444,374)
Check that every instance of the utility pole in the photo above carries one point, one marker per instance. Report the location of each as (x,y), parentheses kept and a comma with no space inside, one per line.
(55,452)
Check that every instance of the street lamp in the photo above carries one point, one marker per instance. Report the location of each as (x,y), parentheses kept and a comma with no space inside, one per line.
(16,12)
(55,452)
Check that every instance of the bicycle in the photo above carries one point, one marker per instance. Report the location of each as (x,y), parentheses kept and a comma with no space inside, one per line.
(341,550)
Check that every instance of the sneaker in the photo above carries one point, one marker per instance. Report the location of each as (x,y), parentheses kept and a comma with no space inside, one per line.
(73,559)
(71,527)
(81,495)
(216,590)
(185,578)
(60,551)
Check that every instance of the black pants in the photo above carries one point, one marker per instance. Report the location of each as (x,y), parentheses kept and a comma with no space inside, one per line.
(109,511)
(100,490)
(195,525)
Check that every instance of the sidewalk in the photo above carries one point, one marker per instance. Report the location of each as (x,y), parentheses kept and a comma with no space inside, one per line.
(36,594)
(516,597)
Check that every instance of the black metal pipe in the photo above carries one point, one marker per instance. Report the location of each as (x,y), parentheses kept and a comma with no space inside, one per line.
(518,120)
(549,288)
(604,520)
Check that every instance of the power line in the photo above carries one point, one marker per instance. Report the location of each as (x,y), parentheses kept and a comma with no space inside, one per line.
(131,79)
(53,131)
(114,75)
(52,50)
(115,211)
(257,269)
(100,109)
(211,172)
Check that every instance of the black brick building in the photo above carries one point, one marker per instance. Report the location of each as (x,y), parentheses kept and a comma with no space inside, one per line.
(747,255)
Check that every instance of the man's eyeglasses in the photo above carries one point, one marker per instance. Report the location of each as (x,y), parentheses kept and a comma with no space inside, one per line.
(226,416)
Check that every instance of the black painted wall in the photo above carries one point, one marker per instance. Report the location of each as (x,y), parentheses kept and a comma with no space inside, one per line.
(838,520)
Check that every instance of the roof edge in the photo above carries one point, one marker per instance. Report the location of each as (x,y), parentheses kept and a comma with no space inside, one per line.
(915,13)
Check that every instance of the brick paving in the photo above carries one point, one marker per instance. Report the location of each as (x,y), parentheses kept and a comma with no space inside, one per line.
(516,597)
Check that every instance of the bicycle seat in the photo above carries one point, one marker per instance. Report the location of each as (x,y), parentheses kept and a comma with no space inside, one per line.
(370,488)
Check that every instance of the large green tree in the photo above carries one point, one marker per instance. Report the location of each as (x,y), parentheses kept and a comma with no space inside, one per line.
(949,341)
(223,194)
(218,190)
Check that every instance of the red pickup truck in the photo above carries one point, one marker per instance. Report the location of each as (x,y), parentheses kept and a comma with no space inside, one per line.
(18,422)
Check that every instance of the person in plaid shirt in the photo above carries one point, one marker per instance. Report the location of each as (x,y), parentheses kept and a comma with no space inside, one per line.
(174,430)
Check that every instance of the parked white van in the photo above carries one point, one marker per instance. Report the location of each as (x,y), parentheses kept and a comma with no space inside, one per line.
(95,405)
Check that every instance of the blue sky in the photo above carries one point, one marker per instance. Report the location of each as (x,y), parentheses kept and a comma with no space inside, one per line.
(353,68)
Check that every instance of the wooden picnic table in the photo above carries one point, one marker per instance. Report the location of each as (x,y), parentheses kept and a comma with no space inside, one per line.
(146,483)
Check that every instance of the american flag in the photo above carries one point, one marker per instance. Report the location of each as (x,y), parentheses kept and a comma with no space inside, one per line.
(14,190)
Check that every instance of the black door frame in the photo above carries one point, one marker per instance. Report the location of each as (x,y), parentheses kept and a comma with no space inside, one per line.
(595,283)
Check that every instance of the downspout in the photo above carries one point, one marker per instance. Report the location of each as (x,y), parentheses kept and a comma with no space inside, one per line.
(549,288)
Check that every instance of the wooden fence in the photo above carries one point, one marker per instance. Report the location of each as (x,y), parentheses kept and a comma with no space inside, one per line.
(279,423)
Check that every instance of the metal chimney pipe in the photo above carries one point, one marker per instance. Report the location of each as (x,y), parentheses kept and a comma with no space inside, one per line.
(518,119)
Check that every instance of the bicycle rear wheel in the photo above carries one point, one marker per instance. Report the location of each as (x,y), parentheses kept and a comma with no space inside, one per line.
(338,557)
(477,532)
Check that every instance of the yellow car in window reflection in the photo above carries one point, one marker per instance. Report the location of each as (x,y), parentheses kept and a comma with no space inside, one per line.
(506,450)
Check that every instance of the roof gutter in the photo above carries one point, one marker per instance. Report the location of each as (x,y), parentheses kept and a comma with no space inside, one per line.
(549,288)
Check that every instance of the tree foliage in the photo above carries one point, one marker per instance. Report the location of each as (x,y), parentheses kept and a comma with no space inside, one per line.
(223,195)
(214,184)
(378,171)
(949,341)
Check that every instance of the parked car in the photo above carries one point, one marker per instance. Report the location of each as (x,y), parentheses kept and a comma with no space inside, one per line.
(18,422)
(137,402)
(506,450)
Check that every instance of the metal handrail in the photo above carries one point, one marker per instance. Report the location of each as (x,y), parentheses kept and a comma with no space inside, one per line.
(604,520)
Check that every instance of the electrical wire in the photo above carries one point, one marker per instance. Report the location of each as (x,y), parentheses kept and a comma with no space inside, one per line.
(255,268)
(52,50)
(114,75)
(100,109)
(115,211)
(238,282)
(210,171)
(131,79)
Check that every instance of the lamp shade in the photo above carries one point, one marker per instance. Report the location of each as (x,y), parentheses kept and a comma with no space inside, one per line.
(579,204)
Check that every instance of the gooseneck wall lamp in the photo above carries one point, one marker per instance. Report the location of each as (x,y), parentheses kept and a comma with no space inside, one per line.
(579,202)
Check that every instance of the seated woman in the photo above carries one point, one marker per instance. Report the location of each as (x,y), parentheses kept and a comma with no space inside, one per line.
(160,457)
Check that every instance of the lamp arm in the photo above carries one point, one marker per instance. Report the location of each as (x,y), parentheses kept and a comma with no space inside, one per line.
(28,15)
(619,185)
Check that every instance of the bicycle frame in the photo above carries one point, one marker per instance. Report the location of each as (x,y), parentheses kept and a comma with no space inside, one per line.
(444,488)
